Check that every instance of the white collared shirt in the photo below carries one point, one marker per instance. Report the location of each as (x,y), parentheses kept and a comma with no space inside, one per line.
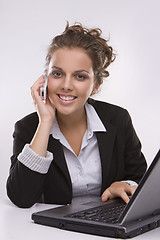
(85,169)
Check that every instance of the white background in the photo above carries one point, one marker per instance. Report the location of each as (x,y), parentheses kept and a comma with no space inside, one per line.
(26,29)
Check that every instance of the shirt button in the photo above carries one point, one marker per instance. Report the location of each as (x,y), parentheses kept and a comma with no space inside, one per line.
(89,134)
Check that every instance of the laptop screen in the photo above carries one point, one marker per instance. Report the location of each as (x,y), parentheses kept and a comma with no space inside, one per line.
(146,199)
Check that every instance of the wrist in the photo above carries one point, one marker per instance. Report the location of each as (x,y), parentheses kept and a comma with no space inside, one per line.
(45,124)
(130,182)
(46,119)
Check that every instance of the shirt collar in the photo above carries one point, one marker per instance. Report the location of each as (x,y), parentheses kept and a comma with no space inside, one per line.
(93,121)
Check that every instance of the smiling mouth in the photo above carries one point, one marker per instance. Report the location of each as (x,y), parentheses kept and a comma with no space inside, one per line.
(66,98)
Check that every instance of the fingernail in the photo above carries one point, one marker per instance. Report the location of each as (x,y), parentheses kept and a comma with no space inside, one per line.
(103,198)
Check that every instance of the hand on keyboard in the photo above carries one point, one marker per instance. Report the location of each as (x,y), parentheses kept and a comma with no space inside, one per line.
(118,189)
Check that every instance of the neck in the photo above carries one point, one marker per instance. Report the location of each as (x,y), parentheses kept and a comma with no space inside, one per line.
(73,120)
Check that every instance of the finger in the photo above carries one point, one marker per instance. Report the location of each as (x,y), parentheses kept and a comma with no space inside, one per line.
(125,197)
(37,84)
(35,89)
(106,195)
(127,190)
(133,189)
(39,81)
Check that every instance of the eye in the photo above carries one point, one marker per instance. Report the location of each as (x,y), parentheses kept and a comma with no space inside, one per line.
(81,76)
(57,74)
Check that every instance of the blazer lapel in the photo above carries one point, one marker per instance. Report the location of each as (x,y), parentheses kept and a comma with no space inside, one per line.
(106,143)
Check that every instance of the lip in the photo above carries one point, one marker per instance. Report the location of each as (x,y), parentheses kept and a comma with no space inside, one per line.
(66,98)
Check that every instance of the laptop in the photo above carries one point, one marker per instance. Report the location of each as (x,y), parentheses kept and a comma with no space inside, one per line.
(140,215)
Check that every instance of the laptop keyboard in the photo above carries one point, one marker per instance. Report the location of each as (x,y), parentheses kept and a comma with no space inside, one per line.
(104,213)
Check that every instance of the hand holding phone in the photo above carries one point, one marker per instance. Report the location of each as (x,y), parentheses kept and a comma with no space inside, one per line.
(43,90)
(39,92)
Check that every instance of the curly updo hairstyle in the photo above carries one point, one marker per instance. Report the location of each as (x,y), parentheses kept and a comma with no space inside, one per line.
(91,42)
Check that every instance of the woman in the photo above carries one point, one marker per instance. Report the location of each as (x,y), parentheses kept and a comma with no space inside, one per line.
(74,145)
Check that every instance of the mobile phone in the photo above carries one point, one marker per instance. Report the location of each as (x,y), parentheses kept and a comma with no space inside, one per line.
(43,89)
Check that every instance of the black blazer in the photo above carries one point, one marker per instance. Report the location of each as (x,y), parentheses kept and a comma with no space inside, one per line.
(120,153)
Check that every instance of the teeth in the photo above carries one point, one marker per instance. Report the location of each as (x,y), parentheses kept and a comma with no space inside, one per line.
(66,98)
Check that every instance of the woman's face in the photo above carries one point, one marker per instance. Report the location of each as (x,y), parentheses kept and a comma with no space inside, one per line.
(70,80)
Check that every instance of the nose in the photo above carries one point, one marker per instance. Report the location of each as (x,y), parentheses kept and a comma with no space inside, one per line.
(67,84)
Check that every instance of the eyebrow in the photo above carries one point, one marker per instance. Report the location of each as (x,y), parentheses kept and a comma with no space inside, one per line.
(78,71)
(57,68)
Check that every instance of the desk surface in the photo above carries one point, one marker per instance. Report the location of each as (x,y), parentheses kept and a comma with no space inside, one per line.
(16,224)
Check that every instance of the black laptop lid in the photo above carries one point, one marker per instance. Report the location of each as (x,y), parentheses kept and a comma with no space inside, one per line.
(146,199)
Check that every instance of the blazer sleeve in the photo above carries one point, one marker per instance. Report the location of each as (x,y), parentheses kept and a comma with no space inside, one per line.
(24,186)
